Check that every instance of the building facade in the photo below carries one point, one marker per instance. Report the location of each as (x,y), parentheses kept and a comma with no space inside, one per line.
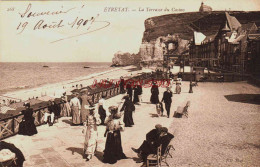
(234,48)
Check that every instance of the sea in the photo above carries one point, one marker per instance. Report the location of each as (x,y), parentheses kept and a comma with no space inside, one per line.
(18,76)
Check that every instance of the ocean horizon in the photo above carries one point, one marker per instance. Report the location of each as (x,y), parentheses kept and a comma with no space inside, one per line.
(26,75)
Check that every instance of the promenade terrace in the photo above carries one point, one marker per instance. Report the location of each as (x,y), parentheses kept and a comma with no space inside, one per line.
(222,130)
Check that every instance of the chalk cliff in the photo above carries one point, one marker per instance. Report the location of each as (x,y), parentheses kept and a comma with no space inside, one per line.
(180,28)
(123,59)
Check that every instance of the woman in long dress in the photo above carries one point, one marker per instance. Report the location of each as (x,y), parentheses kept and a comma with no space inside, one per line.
(113,149)
(128,108)
(65,106)
(85,103)
(136,93)
(27,126)
(91,134)
(75,110)
(154,94)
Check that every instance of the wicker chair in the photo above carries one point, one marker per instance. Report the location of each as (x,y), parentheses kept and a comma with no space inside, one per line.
(158,159)
(155,159)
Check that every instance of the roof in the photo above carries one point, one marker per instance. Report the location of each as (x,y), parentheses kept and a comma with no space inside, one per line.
(4,109)
(17,105)
(226,28)
(210,38)
(45,98)
(238,39)
(249,27)
(254,36)
(232,22)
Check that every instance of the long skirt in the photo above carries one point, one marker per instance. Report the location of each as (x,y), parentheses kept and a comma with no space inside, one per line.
(75,115)
(128,118)
(154,98)
(90,143)
(83,114)
(65,110)
(136,98)
(27,128)
(113,149)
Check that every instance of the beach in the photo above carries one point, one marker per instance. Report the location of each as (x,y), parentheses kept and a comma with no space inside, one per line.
(56,89)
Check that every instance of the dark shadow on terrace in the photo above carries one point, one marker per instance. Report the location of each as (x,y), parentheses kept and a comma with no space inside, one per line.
(244,98)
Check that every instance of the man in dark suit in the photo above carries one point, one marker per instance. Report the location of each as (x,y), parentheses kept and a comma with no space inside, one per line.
(165,138)
(162,138)
(167,99)
(149,146)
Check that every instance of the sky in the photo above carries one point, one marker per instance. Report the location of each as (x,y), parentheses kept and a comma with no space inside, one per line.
(104,32)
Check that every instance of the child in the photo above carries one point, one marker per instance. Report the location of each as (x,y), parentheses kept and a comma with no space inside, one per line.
(159,109)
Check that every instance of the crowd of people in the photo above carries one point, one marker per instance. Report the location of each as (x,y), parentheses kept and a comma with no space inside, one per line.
(82,110)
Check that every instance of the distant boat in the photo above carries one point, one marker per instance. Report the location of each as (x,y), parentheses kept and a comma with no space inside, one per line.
(86,67)
(45,66)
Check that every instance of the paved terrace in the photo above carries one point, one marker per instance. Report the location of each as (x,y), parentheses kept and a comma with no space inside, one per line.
(218,132)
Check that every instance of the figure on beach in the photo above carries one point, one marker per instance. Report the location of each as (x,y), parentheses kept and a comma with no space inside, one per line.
(91,134)
(167,99)
(102,110)
(75,109)
(27,126)
(65,106)
(85,104)
(154,94)
(128,108)
(113,148)
(155,138)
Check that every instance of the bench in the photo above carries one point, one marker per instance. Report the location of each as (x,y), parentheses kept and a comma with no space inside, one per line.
(182,111)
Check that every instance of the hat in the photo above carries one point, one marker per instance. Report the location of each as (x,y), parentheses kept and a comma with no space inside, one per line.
(158,126)
(113,109)
(164,129)
(84,91)
(126,97)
